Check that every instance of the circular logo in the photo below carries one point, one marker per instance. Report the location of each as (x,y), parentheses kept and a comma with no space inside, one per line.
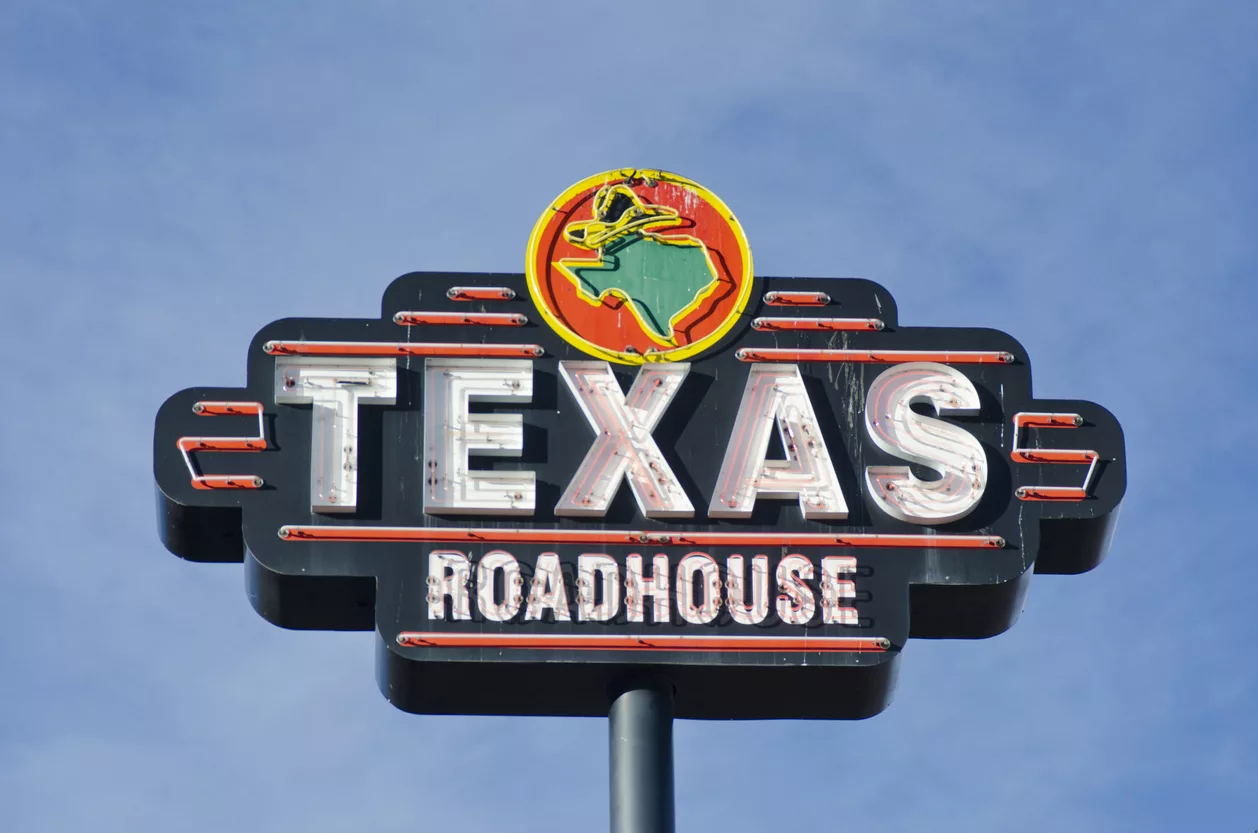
(635,265)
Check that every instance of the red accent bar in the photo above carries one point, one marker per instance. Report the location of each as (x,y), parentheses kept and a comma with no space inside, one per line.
(796,299)
(450,535)
(226,481)
(828,324)
(187,445)
(221,444)
(775,354)
(1030,419)
(389,348)
(1052,455)
(227,408)
(480,293)
(1027,419)
(1051,493)
(481,319)
(644,642)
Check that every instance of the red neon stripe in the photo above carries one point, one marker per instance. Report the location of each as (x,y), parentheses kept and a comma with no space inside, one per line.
(1065,494)
(386,349)
(227,408)
(226,481)
(774,354)
(483,319)
(480,293)
(221,444)
(449,535)
(187,445)
(828,324)
(796,299)
(644,642)
(1033,420)
(1052,455)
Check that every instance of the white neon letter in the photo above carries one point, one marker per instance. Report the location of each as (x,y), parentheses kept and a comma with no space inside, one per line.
(736,595)
(710,588)
(623,444)
(448,573)
(490,607)
(776,393)
(833,589)
(334,388)
(548,590)
(947,449)
(797,603)
(451,434)
(636,587)
(595,571)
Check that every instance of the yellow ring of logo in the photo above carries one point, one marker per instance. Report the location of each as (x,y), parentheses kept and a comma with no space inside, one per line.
(745,280)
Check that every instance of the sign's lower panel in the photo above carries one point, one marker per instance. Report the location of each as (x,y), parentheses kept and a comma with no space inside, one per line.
(586,688)
(479,630)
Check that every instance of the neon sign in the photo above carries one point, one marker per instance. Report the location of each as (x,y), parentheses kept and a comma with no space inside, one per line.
(637,455)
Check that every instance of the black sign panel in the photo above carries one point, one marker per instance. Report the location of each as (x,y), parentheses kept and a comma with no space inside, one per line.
(830,519)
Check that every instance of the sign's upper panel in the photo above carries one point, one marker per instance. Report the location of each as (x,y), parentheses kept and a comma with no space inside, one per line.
(637,456)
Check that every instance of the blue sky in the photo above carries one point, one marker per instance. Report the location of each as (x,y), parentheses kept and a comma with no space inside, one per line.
(174,176)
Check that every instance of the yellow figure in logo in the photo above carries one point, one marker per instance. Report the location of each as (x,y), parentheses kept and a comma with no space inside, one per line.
(661,279)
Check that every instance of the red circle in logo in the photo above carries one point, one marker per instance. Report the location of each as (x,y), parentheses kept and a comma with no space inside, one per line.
(639,265)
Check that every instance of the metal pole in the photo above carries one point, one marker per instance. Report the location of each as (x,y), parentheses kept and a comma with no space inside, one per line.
(640,727)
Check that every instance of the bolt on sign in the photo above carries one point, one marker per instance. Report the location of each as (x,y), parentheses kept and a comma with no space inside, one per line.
(637,457)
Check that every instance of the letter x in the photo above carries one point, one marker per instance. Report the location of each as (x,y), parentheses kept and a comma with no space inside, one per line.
(623,444)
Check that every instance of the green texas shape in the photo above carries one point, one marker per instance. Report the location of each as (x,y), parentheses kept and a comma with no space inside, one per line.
(661,278)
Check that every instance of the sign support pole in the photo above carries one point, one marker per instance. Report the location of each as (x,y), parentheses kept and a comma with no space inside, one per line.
(640,734)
